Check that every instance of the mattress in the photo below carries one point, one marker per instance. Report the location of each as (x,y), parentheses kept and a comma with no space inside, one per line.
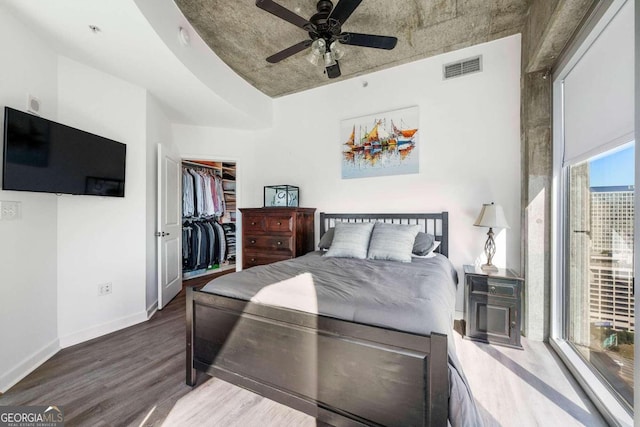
(416,297)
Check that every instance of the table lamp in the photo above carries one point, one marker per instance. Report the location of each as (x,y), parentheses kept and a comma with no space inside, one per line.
(491,216)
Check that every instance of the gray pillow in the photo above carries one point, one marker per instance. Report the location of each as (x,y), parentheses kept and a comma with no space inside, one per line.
(350,240)
(326,239)
(393,242)
(423,244)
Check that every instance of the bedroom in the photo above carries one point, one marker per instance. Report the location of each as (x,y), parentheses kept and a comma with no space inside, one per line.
(461,168)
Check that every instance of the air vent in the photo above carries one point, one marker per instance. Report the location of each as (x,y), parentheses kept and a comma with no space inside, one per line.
(460,68)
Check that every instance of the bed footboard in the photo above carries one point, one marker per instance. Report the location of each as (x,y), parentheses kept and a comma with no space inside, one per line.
(340,372)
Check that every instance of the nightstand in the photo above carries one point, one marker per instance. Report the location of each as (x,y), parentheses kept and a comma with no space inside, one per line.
(493,306)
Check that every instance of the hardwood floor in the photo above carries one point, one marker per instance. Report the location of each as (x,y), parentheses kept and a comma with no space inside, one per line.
(136,377)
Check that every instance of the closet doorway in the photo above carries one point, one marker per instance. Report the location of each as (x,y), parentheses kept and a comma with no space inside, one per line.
(209,214)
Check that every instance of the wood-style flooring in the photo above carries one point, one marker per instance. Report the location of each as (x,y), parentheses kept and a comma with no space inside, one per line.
(136,376)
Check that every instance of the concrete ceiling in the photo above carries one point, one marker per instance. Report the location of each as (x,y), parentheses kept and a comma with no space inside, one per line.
(243,35)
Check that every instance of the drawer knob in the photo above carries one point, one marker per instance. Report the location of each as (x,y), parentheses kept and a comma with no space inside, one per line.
(492,289)
(253,242)
(279,223)
(279,243)
(253,260)
(253,223)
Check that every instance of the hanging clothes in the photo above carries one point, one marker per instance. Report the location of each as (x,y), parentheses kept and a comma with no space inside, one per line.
(204,244)
(188,195)
(202,192)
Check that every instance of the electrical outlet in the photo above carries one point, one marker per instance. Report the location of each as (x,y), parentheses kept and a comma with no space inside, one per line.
(104,288)
(9,210)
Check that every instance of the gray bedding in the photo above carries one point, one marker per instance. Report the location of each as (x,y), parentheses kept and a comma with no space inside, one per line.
(417,297)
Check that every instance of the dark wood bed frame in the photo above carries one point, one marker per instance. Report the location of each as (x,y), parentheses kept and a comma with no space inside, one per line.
(343,373)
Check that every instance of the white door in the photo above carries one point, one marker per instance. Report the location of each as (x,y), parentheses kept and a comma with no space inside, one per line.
(169,227)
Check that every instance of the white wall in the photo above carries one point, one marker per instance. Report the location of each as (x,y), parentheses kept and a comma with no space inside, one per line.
(53,259)
(102,239)
(28,288)
(469,147)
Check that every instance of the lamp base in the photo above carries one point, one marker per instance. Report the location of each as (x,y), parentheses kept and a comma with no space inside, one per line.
(489,268)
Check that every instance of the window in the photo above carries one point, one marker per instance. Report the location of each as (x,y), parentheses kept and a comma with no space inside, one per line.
(593,315)
(599,266)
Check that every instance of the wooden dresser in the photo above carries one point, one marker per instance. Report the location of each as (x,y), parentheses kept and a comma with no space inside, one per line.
(276,234)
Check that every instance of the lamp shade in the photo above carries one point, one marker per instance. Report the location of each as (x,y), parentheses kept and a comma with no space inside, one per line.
(491,215)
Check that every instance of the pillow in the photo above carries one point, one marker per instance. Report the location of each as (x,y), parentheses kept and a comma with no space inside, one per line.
(423,243)
(392,242)
(431,254)
(326,239)
(350,240)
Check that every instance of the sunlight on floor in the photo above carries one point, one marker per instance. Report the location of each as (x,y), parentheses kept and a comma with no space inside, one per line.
(218,403)
(533,380)
(148,416)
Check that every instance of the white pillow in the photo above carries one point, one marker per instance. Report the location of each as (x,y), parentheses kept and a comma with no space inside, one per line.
(350,240)
(392,242)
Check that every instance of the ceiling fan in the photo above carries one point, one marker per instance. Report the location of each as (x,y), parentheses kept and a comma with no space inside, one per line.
(325,33)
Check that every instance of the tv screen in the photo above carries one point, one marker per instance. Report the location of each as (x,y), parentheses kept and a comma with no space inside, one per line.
(45,156)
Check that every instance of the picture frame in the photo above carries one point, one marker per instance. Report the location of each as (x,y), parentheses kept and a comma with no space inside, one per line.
(380,144)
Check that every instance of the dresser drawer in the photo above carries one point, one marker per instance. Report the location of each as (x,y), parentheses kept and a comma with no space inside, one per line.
(278,224)
(269,242)
(253,224)
(252,259)
(484,285)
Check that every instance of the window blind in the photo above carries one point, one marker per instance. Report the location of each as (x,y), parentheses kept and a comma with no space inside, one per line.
(599,92)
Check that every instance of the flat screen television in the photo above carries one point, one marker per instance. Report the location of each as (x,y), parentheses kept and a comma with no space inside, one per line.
(44,156)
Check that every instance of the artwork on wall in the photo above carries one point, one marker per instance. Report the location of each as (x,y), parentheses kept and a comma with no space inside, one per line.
(380,144)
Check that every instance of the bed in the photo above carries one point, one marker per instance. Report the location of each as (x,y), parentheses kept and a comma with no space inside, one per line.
(293,333)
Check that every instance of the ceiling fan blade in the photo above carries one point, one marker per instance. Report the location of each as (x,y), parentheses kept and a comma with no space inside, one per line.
(284,54)
(333,71)
(283,13)
(344,9)
(368,40)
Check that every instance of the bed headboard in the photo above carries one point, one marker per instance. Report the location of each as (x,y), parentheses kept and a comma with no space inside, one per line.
(432,223)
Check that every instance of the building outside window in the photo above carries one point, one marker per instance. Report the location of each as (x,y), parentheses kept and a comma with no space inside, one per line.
(600,311)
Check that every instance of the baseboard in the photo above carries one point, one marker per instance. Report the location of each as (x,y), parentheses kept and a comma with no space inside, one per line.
(151,310)
(102,329)
(14,375)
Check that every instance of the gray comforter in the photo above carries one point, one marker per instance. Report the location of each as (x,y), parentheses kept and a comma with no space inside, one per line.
(417,297)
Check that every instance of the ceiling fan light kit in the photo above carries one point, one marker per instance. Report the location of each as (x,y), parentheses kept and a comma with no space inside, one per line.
(338,51)
(318,48)
(325,33)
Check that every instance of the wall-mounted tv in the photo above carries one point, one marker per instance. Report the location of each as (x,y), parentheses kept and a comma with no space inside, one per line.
(45,156)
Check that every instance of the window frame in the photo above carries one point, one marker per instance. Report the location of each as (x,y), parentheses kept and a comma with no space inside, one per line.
(606,400)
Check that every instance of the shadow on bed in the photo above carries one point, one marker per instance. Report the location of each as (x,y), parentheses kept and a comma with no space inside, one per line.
(239,342)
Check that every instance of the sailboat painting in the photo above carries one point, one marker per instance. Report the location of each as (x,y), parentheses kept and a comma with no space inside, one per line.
(380,144)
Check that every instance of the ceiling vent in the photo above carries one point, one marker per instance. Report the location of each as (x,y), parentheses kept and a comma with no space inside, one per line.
(460,68)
